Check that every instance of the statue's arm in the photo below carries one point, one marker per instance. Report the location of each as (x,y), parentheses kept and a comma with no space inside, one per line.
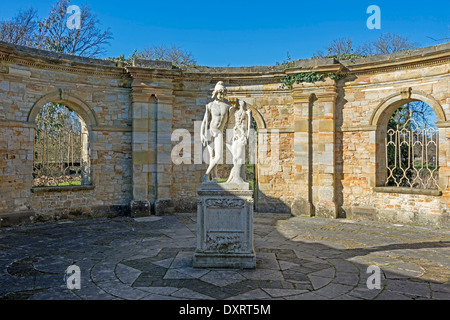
(204,126)
(226,117)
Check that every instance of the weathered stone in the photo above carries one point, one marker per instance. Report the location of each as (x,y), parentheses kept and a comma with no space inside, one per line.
(140,209)
(324,158)
(164,207)
(224,228)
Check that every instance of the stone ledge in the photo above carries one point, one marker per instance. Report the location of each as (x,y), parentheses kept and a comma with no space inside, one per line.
(224,260)
(358,128)
(61,189)
(425,192)
(16,218)
(16,124)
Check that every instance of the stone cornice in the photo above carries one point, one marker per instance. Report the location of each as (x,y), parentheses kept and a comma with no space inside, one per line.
(79,69)
(144,70)
(39,59)
(436,55)
(147,73)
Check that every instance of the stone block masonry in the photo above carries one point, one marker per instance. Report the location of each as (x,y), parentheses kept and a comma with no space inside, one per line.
(320,145)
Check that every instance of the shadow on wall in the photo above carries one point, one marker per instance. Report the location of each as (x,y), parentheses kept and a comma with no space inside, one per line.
(339,157)
(266,204)
(262,204)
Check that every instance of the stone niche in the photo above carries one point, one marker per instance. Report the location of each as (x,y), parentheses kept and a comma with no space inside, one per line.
(224,227)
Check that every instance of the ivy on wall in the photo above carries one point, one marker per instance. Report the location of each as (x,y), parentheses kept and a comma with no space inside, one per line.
(309,77)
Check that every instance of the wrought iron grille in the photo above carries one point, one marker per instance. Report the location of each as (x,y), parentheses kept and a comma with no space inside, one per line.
(412,156)
(58,148)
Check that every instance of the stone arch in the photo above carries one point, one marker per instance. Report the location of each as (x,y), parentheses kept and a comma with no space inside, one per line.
(380,118)
(85,112)
(258,117)
(386,108)
(86,117)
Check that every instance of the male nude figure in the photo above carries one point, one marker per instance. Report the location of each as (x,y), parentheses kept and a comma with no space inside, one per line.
(213,125)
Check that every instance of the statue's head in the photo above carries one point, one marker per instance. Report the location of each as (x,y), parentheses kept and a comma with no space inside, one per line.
(219,91)
(242,105)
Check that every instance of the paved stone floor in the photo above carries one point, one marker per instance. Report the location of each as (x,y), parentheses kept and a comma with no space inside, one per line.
(151,258)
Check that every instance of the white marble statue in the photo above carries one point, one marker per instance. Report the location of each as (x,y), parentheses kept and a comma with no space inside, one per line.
(213,125)
(212,135)
(241,133)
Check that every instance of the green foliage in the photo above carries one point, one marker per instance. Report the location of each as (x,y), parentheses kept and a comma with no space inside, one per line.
(53,117)
(127,61)
(65,184)
(309,77)
(336,75)
(287,63)
(347,56)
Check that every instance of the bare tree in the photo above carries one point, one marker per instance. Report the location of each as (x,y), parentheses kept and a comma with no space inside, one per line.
(337,47)
(87,41)
(52,33)
(174,54)
(344,48)
(21,29)
(387,43)
(340,46)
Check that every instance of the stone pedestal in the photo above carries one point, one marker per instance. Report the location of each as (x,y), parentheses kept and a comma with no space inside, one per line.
(225,227)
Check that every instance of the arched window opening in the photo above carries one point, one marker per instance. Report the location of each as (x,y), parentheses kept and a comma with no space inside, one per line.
(60,148)
(412,148)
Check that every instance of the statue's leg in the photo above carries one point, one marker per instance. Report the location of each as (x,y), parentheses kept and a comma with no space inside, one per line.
(211,158)
(215,157)
(218,153)
(241,162)
(235,174)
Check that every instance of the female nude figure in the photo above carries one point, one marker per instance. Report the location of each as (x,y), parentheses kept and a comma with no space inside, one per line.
(240,139)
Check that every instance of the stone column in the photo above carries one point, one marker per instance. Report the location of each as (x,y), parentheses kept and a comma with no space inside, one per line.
(151,144)
(163,203)
(85,157)
(303,103)
(314,150)
(142,156)
(444,159)
(323,154)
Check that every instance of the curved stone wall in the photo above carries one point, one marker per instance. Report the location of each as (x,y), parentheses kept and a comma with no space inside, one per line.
(330,134)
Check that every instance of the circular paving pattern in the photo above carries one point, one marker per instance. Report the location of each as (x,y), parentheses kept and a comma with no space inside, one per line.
(151,258)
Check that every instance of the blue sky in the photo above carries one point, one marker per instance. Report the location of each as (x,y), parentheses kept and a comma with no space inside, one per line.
(247,33)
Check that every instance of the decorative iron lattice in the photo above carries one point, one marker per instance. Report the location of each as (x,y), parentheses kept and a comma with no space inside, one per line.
(58,148)
(412,155)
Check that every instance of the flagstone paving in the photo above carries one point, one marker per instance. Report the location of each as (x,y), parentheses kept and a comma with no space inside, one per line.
(151,258)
